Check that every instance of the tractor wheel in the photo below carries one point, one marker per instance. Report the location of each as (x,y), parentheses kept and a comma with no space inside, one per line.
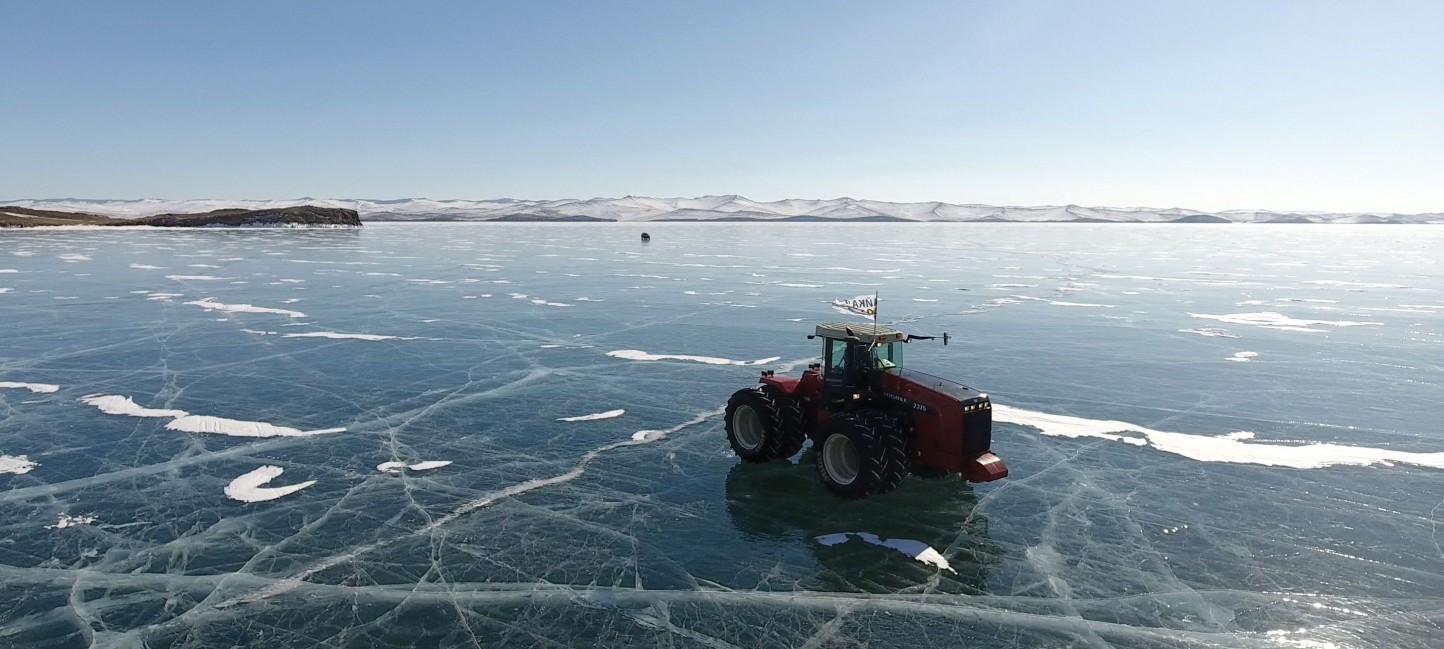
(752,420)
(862,454)
(787,436)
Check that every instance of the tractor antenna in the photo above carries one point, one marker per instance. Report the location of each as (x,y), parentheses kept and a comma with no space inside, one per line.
(875,305)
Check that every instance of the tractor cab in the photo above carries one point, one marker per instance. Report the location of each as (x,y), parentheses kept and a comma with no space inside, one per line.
(854,357)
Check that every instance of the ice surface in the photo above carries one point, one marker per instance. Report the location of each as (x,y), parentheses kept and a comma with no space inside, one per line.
(250,487)
(40,388)
(1157,497)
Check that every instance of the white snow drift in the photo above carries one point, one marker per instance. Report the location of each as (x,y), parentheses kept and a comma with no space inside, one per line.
(248,488)
(1238,447)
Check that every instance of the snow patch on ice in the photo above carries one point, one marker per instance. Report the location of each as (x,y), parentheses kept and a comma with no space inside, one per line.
(16,464)
(146,267)
(38,388)
(239,428)
(1242,357)
(1275,320)
(114,404)
(248,488)
(199,278)
(1237,448)
(915,549)
(1101,306)
(66,520)
(429,465)
(211,305)
(595,416)
(396,467)
(340,336)
(1211,332)
(1336,282)
(639,355)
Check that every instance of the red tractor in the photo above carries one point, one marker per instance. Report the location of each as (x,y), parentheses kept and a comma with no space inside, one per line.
(871,421)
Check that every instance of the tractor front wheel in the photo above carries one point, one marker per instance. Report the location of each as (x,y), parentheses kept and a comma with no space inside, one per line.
(862,454)
(752,424)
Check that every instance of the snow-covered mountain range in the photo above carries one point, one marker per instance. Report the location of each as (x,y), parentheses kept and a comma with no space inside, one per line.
(714,208)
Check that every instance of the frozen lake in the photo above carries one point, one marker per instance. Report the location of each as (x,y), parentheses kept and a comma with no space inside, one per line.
(434,435)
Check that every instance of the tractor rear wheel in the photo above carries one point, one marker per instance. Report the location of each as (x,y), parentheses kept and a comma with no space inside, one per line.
(862,454)
(787,436)
(753,421)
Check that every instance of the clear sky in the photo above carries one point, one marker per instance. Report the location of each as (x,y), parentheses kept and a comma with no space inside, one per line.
(1308,105)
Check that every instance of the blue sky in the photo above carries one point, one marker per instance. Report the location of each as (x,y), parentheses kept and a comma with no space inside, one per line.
(1210,105)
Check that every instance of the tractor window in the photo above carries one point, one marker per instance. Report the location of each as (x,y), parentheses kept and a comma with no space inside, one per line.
(836,358)
(887,357)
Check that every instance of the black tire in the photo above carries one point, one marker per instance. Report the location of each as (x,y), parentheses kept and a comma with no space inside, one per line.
(751,419)
(862,454)
(787,438)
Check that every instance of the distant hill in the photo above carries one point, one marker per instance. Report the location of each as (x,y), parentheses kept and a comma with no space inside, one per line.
(22,217)
(704,208)
(13,216)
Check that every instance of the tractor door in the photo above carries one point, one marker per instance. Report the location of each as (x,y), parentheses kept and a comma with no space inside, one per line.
(845,369)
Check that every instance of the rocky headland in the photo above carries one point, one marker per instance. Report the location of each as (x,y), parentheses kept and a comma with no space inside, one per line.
(279,217)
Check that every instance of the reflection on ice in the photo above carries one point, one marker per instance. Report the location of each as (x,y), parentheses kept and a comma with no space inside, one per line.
(915,549)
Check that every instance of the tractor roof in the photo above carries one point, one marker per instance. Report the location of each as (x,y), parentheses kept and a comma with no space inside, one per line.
(867,333)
